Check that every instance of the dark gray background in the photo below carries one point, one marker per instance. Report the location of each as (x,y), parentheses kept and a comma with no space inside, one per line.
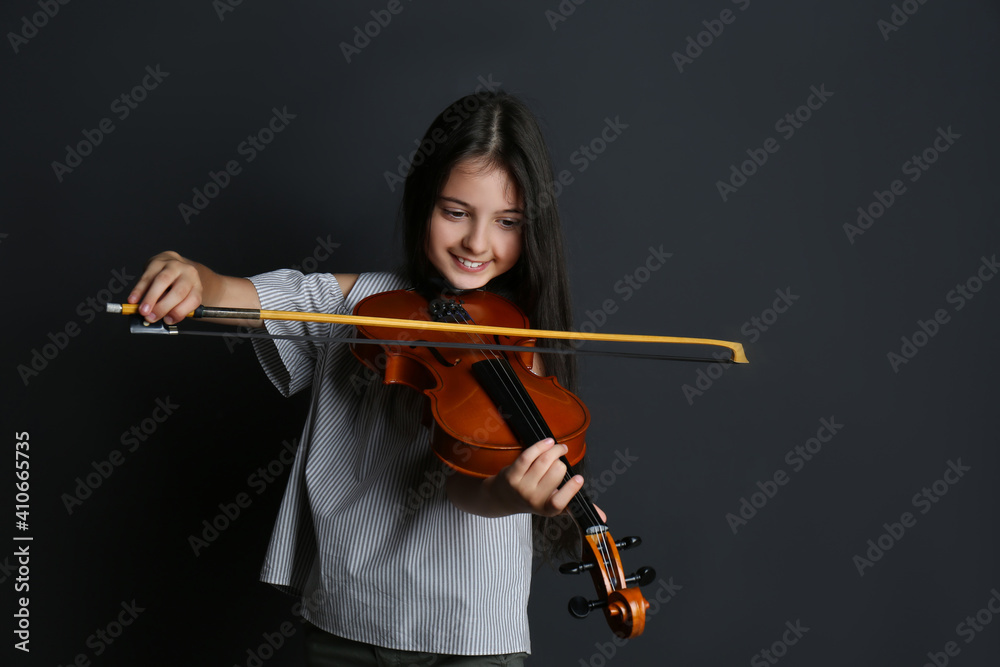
(655,185)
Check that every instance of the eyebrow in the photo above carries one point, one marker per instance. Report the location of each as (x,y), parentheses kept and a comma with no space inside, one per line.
(467,205)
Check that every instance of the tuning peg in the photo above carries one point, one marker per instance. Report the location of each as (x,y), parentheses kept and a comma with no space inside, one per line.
(629,542)
(580,606)
(575,568)
(642,576)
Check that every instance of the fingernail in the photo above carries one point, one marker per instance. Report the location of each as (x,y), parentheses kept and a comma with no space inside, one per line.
(145,308)
(168,319)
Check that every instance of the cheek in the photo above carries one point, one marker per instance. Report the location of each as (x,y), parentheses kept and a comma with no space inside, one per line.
(514,252)
(435,238)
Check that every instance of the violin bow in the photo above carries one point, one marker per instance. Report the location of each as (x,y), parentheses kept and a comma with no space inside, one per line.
(736,353)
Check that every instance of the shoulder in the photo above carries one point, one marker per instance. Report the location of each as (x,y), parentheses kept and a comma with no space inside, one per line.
(365,284)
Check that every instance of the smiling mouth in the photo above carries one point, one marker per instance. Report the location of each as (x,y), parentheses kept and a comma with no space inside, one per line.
(469,265)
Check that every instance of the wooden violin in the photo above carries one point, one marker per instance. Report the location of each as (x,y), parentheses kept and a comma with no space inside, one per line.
(487,407)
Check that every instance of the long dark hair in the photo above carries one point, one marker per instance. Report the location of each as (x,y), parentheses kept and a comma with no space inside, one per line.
(497,130)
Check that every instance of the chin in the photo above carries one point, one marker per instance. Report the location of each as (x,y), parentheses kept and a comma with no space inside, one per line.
(464,282)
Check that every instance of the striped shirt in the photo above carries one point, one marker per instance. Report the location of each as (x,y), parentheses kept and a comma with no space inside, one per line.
(365,532)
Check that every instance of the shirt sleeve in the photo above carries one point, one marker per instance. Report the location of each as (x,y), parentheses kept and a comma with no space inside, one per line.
(290,364)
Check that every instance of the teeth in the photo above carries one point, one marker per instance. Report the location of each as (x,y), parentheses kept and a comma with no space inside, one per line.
(471,265)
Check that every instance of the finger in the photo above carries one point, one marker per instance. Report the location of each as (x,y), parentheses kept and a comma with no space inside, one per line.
(149,272)
(543,480)
(547,469)
(604,517)
(145,279)
(184,308)
(157,283)
(527,458)
(561,498)
(164,294)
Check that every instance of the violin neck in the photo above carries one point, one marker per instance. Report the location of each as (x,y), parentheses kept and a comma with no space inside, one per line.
(582,509)
(501,384)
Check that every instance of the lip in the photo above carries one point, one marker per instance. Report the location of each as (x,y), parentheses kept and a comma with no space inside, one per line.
(458,262)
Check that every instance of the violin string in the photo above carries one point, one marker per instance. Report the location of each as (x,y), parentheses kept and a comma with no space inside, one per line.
(512,383)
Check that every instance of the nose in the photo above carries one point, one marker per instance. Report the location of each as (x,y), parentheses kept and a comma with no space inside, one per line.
(476,238)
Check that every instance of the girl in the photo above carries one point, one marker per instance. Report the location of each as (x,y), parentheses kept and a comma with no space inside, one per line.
(392,573)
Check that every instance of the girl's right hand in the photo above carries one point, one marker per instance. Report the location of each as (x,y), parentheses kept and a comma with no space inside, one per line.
(170,287)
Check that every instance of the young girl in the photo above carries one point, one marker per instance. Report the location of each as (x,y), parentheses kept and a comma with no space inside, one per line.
(387,579)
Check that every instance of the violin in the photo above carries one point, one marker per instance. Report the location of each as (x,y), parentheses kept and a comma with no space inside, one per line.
(487,406)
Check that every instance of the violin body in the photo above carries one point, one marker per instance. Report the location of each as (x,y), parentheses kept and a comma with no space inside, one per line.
(469,432)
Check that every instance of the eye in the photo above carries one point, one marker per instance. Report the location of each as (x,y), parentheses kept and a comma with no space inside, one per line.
(454,214)
(507,223)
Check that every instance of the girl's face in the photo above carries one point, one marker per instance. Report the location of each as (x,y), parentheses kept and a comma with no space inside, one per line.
(476,226)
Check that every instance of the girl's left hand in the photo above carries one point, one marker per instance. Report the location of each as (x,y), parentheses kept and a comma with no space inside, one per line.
(529,484)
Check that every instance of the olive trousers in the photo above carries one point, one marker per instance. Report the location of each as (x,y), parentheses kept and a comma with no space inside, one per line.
(326,650)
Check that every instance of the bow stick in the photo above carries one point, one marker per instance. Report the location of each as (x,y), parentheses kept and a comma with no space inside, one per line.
(737,355)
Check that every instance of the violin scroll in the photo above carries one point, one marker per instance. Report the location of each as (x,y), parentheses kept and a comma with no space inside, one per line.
(624,607)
